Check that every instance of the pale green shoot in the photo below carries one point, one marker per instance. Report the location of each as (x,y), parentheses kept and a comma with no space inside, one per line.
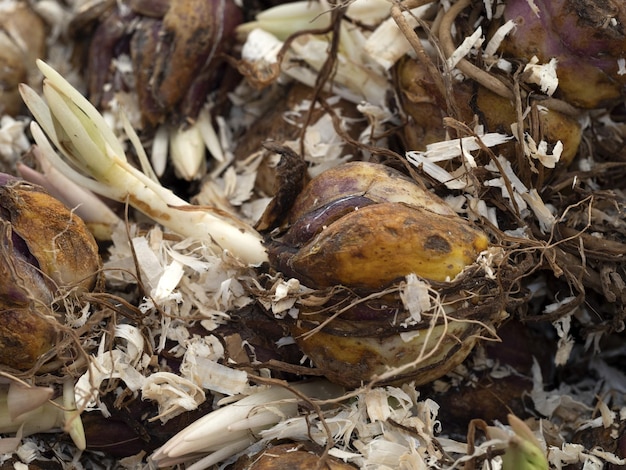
(524,451)
(94,158)
(71,416)
(27,410)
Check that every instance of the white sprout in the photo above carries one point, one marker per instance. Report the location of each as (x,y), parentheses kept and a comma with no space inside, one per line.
(232,428)
(95,158)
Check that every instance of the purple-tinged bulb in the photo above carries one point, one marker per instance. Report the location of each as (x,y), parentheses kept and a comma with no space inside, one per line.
(587,37)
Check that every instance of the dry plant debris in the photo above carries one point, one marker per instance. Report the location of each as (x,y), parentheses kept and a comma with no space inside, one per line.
(229,330)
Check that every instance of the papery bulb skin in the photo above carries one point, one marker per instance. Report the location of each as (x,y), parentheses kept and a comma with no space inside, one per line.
(65,252)
(364,226)
(304,228)
(22,41)
(422,104)
(373,246)
(22,280)
(46,253)
(26,333)
(353,352)
(176,49)
(176,57)
(378,183)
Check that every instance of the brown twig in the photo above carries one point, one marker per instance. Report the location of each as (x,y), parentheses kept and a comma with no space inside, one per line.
(326,70)
(397,13)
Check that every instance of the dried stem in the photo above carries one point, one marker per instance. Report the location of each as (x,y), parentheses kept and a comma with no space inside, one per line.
(397,13)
